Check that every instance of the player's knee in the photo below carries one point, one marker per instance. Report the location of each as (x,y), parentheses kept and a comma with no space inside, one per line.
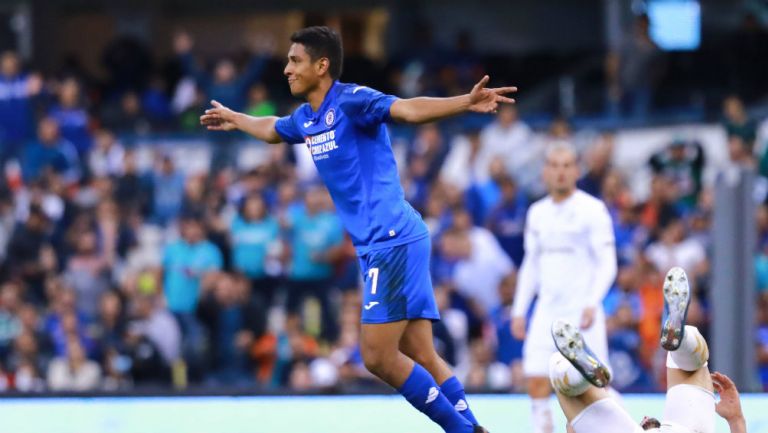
(375,359)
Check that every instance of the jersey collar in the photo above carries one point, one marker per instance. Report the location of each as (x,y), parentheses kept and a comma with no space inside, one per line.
(329,96)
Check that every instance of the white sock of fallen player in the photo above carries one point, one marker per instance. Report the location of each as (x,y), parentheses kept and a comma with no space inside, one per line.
(693,352)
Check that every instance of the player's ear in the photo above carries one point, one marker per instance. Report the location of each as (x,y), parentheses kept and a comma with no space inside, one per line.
(322,65)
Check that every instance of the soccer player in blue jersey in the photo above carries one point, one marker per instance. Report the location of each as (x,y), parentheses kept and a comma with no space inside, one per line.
(343,126)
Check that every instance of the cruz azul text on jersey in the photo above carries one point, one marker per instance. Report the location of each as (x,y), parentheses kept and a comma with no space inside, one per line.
(320,144)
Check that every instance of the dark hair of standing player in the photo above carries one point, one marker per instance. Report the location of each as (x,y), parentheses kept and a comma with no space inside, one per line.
(319,42)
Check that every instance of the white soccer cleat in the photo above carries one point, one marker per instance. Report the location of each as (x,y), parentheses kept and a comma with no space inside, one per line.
(677,299)
(570,343)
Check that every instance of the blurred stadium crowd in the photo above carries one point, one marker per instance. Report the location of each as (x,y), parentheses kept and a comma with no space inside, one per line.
(116,276)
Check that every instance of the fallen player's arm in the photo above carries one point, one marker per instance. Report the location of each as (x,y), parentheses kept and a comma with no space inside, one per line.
(426,109)
(221,118)
(729,406)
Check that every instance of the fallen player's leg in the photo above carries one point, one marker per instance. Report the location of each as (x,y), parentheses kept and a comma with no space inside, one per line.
(579,378)
(690,401)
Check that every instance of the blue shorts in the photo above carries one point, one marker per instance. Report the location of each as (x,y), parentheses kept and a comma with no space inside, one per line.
(397,284)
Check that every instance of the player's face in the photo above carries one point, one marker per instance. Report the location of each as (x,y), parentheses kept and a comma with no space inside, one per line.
(561,172)
(301,71)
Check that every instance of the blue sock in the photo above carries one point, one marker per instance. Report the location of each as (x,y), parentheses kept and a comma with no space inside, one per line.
(454,391)
(423,393)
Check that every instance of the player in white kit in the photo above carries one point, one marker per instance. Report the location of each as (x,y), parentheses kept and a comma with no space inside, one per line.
(579,376)
(570,263)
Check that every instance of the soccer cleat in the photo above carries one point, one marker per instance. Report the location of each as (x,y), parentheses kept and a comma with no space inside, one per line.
(677,299)
(570,343)
(479,429)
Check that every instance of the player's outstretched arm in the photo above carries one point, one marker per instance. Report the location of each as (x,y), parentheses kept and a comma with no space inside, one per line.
(729,406)
(221,118)
(425,109)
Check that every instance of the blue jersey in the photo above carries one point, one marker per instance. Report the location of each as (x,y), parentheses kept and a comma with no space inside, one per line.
(350,145)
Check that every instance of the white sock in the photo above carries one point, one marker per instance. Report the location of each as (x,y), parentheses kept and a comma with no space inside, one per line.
(541,415)
(564,377)
(692,354)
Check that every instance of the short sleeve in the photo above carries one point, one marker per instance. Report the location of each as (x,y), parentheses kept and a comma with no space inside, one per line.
(287,130)
(217,261)
(167,254)
(337,232)
(366,106)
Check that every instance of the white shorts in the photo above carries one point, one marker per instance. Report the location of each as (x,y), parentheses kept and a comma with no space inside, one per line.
(605,416)
(687,409)
(538,345)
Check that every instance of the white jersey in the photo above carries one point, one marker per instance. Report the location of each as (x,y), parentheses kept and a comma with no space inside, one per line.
(570,255)
(570,262)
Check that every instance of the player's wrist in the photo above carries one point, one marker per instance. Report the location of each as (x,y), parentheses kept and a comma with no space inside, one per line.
(737,424)
(239,120)
(465,102)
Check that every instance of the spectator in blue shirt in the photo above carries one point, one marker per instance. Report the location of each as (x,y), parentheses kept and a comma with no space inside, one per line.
(50,152)
(168,192)
(16,92)
(509,350)
(315,237)
(254,236)
(186,263)
(762,340)
(507,220)
(624,310)
(483,196)
(72,117)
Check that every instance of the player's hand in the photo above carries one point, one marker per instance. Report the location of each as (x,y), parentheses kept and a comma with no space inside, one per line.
(219,118)
(587,317)
(484,100)
(729,406)
(518,327)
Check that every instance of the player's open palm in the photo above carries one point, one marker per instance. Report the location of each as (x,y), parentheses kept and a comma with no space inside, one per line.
(729,406)
(219,118)
(485,100)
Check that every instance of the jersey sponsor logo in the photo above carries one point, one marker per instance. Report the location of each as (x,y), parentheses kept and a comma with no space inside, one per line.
(319,145)
(432,396)
(461,405)
(330,116)
(308,123)
(371,305)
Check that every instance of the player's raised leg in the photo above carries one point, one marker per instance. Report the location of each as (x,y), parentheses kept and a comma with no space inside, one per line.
(379,344)
(690,400)
(579,379)
(418,344)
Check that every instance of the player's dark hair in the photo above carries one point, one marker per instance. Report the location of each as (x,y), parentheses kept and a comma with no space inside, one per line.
(321,41)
